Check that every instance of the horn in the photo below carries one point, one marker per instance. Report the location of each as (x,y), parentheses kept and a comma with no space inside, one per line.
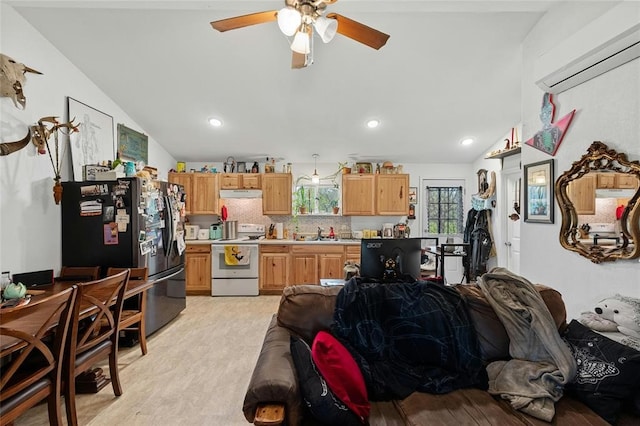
(28,69)
(7,148)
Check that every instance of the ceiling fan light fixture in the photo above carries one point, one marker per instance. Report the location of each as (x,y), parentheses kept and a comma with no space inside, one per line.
(289,19)
(326,28)
(301,43)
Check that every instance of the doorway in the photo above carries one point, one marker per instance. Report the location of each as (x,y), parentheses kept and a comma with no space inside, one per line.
(512,219)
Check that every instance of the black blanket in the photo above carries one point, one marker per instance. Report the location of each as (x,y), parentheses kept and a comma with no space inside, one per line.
(408,337)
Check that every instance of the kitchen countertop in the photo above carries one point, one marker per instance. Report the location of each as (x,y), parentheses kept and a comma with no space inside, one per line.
(267,242)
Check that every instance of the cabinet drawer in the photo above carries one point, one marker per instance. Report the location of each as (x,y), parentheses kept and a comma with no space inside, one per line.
(198,248)
(316,248)
(274,248)
(352,250)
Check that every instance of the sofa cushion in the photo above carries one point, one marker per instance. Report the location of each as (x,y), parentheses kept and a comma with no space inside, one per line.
(608,372)
(306,309)
(493,338)
(341,372)
(322,403)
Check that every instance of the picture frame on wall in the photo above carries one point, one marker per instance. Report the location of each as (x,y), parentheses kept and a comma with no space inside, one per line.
(132,145)
(538,192)
(413,195)
(94,141)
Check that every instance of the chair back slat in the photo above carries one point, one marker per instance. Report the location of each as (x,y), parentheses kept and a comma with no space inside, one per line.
(22,330)
(79,273)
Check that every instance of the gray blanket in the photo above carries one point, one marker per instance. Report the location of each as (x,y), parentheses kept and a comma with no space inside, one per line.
(542,363)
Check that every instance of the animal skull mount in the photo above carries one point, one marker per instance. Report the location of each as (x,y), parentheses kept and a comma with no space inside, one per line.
(39,134)
(12,79)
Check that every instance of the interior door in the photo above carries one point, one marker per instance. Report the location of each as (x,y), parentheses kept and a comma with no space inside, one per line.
(512,240)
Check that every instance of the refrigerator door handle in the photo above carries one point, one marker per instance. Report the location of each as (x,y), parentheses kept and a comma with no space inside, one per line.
(161,278)
(168,228)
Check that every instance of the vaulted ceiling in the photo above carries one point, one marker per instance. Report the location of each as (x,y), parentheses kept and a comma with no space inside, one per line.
(451,69)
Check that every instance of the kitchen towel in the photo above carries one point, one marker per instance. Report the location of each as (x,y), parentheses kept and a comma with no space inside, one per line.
(236,255)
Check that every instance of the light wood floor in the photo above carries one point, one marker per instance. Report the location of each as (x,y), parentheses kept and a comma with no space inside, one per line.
(195,373)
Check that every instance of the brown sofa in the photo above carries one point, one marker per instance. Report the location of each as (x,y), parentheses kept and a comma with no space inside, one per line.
(306,309)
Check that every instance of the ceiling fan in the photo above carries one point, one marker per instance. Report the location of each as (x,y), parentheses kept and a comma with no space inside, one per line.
(298,19)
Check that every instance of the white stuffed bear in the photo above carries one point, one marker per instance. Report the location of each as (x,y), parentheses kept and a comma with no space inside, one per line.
(622,310)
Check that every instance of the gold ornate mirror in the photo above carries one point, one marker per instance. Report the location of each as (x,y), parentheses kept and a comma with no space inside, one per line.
(599,173)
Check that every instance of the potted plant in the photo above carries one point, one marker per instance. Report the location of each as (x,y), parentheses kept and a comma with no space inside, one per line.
(334,206)
(300,200)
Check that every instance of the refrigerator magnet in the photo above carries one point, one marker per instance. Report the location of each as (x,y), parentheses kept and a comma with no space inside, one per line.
(108,214)
(145,247)
(110,231)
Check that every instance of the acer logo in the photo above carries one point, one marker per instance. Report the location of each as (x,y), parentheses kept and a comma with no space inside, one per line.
(374,245)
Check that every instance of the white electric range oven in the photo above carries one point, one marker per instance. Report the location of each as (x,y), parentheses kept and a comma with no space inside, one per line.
(235,263)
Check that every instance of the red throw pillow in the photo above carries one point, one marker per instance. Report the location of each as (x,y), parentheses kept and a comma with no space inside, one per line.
(341,372)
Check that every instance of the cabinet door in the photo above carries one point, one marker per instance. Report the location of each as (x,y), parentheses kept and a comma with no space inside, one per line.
(358,193)
(276,193)
(391,195)
(198,269)
(205,194)
(626,181)
(186,180)
(229,180)
(305,269)
(606,180)
(582,192)
(274,271)
(352,253)
(251,181)
(331,266)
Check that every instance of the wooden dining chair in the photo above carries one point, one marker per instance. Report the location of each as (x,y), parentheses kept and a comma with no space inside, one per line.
(132,318)
(32,370)
(79,273)
(90,339)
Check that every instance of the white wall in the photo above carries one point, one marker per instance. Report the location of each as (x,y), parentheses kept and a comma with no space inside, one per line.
(29,218)
(608,108)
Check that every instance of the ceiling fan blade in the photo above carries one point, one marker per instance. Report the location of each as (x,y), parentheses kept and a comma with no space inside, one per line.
(298,60)
(244,21)
(359,32)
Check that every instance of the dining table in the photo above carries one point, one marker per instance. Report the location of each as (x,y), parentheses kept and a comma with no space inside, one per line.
(91,381)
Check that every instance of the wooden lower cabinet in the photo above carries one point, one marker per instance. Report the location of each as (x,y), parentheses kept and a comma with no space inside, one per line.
(274,268)
(198,269)
(282,265)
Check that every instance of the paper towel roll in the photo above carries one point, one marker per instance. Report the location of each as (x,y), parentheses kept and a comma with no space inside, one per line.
(279,231)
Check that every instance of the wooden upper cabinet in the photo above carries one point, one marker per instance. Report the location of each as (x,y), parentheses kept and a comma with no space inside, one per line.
(606,180)
(626,181)
(205,193)
(186,180)
(240,181)
(358,194)
(276,193)
(251,181)
(582,193)
(392,194)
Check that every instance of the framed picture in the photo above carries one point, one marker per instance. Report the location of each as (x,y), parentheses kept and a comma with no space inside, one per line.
(132,145)
(94,141)
(364,168)
(413,195)
(538,192)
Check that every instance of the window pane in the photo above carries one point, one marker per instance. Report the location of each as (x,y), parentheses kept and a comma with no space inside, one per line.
(444,210)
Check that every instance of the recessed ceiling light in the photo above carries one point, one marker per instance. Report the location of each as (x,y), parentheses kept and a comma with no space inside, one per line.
(215,122)
(372,124)
(466,141)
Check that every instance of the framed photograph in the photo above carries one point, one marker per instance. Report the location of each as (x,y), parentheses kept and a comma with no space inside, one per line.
(94,142)
(413,195)
(538,192)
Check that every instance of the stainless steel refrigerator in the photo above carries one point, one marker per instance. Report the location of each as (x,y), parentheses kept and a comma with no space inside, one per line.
(129,222)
